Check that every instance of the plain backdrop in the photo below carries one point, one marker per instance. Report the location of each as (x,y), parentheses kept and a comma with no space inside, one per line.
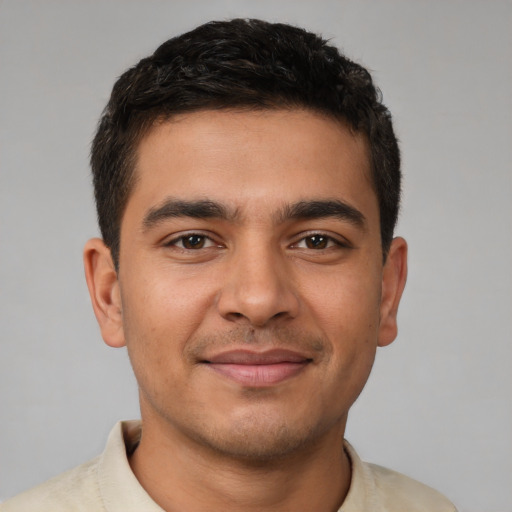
(437,405)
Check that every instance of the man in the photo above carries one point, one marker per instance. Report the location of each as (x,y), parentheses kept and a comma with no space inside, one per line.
(247,185)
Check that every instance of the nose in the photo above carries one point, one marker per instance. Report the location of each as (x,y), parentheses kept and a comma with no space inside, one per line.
(258,288)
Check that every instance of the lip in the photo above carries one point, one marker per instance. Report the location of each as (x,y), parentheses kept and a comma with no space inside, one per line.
(258,369)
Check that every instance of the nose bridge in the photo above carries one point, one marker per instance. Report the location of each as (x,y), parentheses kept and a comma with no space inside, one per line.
(258,285)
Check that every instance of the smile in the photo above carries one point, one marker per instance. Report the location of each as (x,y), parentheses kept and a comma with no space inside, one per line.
(258,369)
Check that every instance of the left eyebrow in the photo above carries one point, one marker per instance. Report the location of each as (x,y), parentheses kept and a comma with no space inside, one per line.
(320,209)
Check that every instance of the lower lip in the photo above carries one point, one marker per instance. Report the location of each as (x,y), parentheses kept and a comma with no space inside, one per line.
(259,375)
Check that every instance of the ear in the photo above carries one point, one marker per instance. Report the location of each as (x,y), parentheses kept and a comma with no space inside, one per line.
(394,276)
(103,285)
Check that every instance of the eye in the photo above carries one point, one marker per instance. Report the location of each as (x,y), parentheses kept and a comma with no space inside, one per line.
(192,241)
(317,242)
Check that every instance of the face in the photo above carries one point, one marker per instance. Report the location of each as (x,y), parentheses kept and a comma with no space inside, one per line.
(251,290)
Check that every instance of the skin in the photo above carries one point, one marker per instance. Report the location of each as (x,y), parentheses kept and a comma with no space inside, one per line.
(260,277)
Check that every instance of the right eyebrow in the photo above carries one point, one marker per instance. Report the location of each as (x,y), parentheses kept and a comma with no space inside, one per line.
(198,209)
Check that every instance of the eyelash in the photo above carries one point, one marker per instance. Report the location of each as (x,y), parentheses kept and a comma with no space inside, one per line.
(323,237)
(328,239)
(175,241)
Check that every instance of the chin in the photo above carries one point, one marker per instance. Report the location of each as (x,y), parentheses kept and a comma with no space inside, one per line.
(258,439)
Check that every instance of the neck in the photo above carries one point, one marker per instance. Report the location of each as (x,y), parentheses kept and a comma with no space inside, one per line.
(179,474)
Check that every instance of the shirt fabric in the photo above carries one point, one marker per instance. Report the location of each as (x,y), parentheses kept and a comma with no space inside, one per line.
(107,484)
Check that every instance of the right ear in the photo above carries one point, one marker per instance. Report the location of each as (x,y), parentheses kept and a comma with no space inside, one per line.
(103,285)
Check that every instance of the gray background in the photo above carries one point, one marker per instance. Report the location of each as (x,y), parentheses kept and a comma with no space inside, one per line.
(438,405)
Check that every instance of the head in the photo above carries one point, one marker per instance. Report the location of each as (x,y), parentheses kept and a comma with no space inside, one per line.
(247,184)
(239,64)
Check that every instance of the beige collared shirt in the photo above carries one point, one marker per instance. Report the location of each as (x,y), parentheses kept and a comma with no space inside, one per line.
(107,484)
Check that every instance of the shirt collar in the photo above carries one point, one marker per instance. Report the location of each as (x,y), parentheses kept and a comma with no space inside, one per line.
(119,487)
(122,492)
(362,494)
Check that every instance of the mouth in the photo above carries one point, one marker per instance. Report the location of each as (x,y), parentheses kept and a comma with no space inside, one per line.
(258,369)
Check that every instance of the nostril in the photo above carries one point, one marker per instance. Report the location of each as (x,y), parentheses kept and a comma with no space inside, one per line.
(235,316)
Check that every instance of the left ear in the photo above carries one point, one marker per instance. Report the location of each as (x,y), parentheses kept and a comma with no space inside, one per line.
(394,276)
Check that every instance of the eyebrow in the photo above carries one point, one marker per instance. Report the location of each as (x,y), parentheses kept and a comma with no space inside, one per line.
(207,209)
(320,209)
(199,209)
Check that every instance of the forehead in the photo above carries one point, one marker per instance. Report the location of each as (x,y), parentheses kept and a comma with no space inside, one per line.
(251,159)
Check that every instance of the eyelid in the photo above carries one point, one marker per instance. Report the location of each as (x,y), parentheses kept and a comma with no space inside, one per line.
(173,240)
(337,239)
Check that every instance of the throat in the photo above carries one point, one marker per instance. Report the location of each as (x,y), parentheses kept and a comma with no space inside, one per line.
(178,477)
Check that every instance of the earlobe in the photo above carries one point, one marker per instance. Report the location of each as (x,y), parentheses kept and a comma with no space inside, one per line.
(103,285)
(394,277)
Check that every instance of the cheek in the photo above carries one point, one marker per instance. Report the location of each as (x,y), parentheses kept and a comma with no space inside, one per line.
(347,312)
(163,305)
(157,321)
(161,313)
(345,304)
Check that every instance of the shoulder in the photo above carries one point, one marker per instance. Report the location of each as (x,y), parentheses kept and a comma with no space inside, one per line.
(75,490)
(380,489)
(398,492)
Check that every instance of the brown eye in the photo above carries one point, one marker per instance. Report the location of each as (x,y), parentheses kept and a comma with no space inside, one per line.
(193,241)
(317,242)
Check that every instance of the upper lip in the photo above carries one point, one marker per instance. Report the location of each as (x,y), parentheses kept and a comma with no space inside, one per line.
(248,357)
